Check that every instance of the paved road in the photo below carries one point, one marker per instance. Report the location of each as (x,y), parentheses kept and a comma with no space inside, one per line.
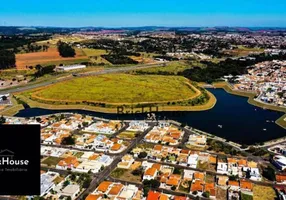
(105,71)
(105,173)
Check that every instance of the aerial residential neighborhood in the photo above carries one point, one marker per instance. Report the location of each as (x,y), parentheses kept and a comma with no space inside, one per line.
(143,100)
(116,160)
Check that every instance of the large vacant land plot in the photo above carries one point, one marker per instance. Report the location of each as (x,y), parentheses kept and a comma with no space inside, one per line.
(46,58)
(120,89)
(95,55)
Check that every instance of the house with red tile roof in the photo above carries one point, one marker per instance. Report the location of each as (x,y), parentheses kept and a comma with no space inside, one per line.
(150,173)
(246,185)
(281,178)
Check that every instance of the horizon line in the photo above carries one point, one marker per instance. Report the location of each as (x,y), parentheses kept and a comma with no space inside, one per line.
(143,26)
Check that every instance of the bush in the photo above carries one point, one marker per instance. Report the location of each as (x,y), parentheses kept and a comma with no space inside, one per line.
(137,172)
(206,194)
(142,154)
(269,173)
(68,141)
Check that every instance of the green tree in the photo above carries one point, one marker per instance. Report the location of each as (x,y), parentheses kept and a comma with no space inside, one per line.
(68,141)
(142,154)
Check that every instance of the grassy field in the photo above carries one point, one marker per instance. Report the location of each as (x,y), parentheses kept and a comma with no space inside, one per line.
(125,175)
(173,67)
(47,58)
(281,121)
(36,104)
(119,89)
(263,193)
(244,51)
(129,135)
(51,161)
(95,55)
(251,101)
(13,73)
(11,110)
(246,196)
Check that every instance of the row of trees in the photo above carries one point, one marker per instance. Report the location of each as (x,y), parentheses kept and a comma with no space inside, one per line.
(35,48)
(119,59)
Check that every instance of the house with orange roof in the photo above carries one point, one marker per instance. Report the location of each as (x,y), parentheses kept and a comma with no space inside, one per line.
(150,173)
(233,183)
(173,180)
(199,176)
(153,195)
(198,186)
(212,160)
(104,186)
(116,147)
(185,151)
(157,148)
(157,166)
(242,163)
(281,178)
(93,197)
(70,162)
(246,185)
(115,189)
(164,197)
(210,187)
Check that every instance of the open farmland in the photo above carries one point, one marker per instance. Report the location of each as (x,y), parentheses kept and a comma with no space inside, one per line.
(244,51)
(120,89)
(95,55)
(47,58)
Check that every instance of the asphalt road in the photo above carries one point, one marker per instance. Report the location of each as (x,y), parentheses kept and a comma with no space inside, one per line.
(106,172)
(105,71)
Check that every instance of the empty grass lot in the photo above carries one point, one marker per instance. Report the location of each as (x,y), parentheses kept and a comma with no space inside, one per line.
(120,89)
(129,135)
(171,68)
(95,55)
(51,161)
(125,175)
(263,193)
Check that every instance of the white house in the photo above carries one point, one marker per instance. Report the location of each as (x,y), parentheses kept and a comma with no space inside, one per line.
(222,167)
(193,160)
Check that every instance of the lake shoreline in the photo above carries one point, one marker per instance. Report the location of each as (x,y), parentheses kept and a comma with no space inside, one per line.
(280,121)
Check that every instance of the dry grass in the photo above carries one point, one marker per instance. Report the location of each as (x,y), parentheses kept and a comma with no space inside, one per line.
(244,51)
(95,55)
(125,175)
(221,194)
(46,58)
(263,193)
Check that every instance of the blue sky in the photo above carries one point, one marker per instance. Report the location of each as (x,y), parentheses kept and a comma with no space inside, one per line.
(118,13)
